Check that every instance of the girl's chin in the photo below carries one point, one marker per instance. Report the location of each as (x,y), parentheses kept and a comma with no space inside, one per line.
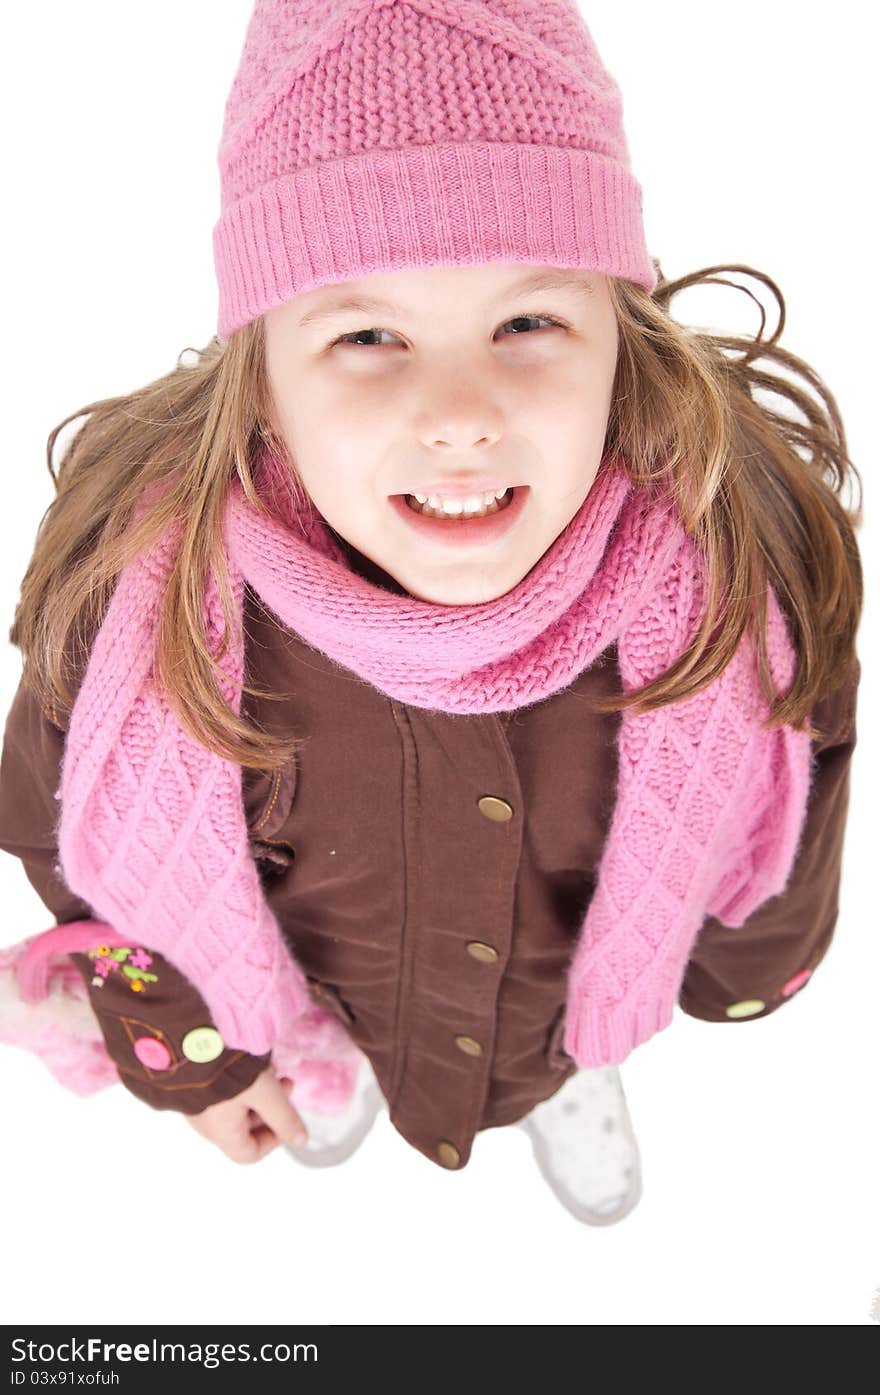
(478,588)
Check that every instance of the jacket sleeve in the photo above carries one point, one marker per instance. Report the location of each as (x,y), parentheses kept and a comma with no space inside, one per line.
(737,973)
(159,1033)
(136,995)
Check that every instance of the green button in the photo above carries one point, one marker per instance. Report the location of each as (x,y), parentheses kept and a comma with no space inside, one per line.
(746,1008)
(202,1044)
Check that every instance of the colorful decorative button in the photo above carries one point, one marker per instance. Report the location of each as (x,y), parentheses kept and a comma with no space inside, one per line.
(746,1008)
(152,1053)
(202,1044)
(795,983)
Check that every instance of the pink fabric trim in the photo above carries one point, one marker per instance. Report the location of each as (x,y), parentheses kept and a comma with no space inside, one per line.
(74,937)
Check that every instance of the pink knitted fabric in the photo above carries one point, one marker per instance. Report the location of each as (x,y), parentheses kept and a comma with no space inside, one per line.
(709,810)
(368,135)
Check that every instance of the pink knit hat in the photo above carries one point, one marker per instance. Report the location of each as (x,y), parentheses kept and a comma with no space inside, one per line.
(379,135)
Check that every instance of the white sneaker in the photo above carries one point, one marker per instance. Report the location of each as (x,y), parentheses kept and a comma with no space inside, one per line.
(584,1144)
(334,1137)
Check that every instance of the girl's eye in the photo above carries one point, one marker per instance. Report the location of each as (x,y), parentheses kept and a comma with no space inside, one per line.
(360,333)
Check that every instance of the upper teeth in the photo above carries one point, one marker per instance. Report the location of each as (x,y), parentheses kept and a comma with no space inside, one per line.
(472,504)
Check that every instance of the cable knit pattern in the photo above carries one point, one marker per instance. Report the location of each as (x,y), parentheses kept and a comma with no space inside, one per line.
(691,777)
(368,135)
(152,831)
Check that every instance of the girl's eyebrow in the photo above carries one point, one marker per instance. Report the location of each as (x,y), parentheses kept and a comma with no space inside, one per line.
(542,281)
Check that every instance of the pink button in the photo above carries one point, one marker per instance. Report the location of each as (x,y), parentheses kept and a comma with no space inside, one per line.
(152,1053)
(795,983)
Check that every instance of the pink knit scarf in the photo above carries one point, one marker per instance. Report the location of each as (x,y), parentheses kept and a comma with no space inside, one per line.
(709,809)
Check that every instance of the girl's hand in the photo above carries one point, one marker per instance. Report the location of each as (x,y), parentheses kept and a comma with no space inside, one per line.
(251,1124)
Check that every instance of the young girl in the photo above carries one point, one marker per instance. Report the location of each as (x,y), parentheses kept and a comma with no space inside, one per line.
(454,668)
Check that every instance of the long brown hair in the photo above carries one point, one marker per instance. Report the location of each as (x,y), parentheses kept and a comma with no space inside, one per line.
(758,490)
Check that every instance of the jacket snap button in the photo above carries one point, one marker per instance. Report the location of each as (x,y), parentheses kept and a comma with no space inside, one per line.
(497,809)
(469,1046)
(485,953)
(202,1044)
(152,1053)
(448,1153)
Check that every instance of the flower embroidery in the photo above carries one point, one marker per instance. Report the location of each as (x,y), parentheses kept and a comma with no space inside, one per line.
(105,966)
(131,959)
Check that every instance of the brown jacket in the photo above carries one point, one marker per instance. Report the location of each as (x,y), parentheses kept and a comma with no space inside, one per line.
(431,872)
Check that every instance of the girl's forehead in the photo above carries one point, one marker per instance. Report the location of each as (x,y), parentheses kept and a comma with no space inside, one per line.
(473,284)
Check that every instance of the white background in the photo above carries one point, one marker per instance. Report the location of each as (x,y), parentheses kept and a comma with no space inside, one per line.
(750,132)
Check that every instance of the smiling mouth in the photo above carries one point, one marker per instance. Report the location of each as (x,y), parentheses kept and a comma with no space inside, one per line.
(454,511)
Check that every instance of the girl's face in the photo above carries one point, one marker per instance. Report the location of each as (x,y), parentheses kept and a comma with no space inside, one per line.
(447,381)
